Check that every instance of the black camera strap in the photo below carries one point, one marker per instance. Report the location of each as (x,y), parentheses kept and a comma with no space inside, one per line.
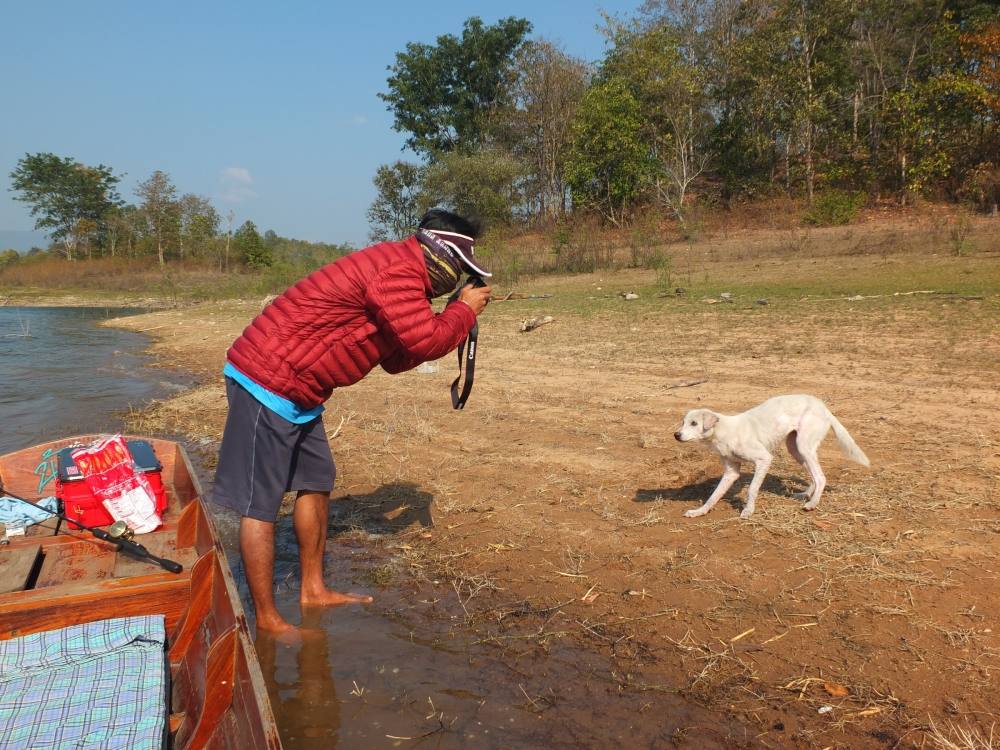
(458,399)
(469,359)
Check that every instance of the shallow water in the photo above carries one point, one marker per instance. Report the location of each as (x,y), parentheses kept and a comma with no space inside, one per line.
(62,374)
(406,672)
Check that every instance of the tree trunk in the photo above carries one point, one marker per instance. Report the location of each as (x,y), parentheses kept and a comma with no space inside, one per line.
(808,50)
(788,163)
(159,252)
(810,176)
(857,108)
(902,176)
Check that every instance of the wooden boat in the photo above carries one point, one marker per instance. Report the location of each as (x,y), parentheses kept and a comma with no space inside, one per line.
(48,581)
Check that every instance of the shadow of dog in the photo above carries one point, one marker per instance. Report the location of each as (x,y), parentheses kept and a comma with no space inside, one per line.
(697,492)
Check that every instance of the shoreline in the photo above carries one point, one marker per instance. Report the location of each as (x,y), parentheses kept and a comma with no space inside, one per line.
(75,299)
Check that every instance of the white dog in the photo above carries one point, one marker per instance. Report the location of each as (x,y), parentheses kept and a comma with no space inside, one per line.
(801,421)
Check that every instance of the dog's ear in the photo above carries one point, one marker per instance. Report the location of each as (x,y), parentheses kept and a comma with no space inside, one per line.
(711,419)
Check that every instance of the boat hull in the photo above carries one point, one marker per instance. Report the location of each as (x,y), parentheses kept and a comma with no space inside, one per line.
(51,580)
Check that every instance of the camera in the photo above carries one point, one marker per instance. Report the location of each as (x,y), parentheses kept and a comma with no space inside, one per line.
(474,279)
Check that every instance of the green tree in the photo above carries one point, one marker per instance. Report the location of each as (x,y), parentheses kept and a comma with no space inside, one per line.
(159,206)
(115,229)
(484,184)
(9,257)
(198,225)
(748,74)
(780,81)
(63,193)
(817,37)
(610,164)
(928,121)
(84,233)
(671,88)
(133,225)
(443,95)
(981,56)
(249,244)
(395,212)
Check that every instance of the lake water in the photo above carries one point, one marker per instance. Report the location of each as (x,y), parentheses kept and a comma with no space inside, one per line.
(62,374)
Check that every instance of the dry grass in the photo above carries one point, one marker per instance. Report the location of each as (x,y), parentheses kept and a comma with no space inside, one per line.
(960,738)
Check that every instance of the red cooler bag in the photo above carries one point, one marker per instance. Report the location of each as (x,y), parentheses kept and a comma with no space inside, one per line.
(81,504)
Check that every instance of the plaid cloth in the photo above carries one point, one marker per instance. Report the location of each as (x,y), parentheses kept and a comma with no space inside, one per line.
(15,513)
(99,685)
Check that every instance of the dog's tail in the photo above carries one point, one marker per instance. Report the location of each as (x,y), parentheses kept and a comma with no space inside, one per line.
(847,444)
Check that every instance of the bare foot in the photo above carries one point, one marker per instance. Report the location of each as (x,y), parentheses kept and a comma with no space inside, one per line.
(276,627)
(327,598)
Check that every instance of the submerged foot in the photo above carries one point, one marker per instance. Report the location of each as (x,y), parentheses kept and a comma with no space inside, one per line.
(276,627)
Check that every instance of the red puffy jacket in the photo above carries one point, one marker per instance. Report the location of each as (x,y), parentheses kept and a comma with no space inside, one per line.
(332,327)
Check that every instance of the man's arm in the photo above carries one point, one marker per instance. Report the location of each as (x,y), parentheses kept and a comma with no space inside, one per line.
(398,300)
(399,361)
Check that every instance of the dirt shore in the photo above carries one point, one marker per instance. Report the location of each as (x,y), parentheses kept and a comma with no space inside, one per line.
(549,511)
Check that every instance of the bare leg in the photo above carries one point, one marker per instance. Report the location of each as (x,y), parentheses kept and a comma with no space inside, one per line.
(793,448)
(761,466)
(310,518)
(730,473)
(257,550)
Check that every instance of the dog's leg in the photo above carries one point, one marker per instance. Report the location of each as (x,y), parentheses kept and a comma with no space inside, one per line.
(793,449)
(730,473)
(761,465)
(818,478)
(811,434)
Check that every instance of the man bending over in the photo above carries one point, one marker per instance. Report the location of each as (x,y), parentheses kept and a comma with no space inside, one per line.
(371,307)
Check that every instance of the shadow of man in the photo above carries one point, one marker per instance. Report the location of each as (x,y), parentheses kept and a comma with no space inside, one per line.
(390,509)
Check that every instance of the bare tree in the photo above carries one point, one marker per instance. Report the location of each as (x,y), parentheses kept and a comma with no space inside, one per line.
(548,89)
(229,236)
(683,159)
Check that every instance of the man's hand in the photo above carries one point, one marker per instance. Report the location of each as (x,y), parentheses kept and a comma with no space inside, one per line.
(475,297)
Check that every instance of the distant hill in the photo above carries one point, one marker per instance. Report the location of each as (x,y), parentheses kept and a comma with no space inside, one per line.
(22,239)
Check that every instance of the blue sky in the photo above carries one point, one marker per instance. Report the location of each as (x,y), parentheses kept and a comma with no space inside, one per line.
(268,109)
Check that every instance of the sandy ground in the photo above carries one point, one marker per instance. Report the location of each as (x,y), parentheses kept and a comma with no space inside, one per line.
(550,510)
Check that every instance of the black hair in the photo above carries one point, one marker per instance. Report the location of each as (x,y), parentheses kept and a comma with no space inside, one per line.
(446,221)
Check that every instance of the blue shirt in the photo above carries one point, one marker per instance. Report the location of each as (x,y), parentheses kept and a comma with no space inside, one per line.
(281,406)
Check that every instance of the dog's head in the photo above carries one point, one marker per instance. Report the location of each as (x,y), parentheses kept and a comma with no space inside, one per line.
(698,424)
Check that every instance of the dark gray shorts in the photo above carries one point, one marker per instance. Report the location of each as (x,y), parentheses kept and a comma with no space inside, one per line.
(263,456)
